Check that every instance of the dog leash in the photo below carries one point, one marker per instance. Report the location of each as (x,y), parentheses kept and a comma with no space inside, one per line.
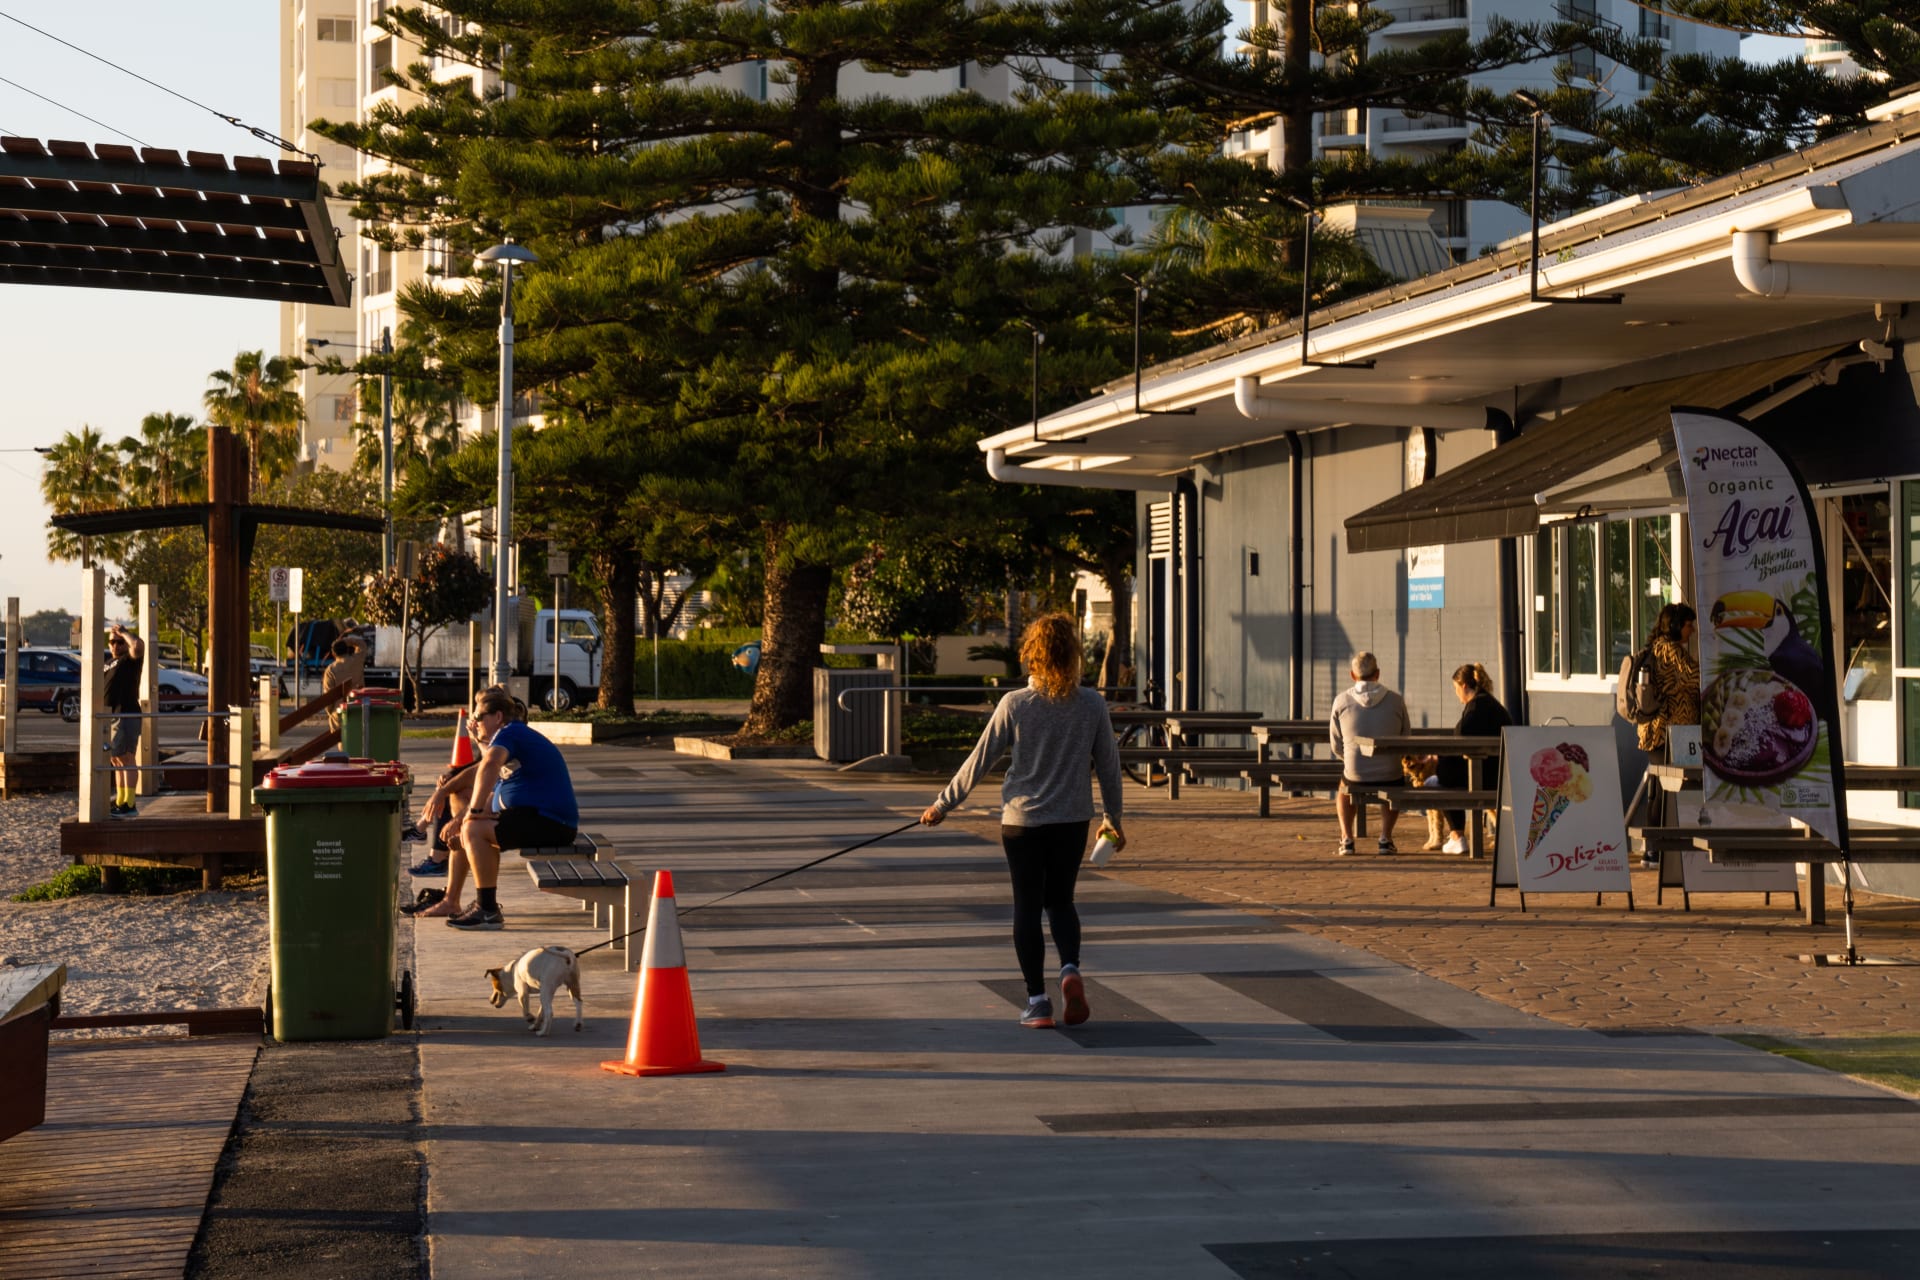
(687,911)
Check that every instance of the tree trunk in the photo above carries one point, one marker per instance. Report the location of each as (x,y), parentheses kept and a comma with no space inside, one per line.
(1296,146)
(794,624)
(619,572)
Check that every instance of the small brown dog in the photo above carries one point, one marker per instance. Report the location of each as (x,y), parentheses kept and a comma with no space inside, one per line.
(1418,769)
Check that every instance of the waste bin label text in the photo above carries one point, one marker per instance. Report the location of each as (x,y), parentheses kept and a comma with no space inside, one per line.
(329,857)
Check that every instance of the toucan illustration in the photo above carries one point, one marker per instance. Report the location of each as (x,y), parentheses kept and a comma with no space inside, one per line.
(1790,657)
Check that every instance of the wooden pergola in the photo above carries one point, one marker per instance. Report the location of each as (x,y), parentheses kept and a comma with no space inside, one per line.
(151,220)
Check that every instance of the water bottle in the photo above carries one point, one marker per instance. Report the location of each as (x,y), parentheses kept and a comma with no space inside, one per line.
(1103,848)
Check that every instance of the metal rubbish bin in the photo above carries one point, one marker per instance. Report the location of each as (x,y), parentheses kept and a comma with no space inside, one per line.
(333,857)
(370,724)
(858,730)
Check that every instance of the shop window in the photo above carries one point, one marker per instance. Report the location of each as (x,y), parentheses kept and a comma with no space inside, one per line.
(1866,595)
(1546,601)
(1583,600)
(1910,573)
(1620,590)
(1598,586)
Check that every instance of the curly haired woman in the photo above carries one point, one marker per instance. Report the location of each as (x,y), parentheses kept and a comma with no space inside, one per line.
(1677,675)
(1058,732)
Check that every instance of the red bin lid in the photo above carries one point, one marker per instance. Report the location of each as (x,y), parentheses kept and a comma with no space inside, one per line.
(329,773)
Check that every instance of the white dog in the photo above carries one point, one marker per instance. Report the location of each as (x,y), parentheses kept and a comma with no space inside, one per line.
(544,970)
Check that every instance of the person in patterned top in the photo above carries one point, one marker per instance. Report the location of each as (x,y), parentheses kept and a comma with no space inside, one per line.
(1676,673)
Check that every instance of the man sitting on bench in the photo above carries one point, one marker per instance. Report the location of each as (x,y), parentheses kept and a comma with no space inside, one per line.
(522,799)
(1368,710)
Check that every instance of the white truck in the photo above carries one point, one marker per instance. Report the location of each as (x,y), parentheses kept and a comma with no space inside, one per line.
(442,669)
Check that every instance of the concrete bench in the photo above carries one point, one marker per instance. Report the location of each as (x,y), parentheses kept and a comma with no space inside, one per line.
(601,885)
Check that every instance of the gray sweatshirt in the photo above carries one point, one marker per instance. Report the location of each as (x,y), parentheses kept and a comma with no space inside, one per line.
(1054,744)
(1368,710)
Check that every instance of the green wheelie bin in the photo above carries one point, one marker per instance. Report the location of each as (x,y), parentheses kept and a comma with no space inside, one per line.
(370,724)
(333,860)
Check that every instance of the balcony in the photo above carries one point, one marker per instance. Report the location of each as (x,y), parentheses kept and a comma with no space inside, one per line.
(1654,26)
(1424,123)
(1426,11)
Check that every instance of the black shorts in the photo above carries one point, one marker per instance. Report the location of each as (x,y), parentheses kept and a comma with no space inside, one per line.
(524,828)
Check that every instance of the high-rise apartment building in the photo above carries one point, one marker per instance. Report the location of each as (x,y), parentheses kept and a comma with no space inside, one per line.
(319,59)
(1468,228)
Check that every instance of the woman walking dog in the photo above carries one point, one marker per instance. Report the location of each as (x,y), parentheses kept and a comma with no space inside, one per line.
(1058,733)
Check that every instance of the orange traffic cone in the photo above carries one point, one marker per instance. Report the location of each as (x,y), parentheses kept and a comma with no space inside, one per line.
(463,753)
(664,1040)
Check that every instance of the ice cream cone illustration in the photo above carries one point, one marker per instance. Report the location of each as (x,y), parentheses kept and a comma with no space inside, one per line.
(1561,776)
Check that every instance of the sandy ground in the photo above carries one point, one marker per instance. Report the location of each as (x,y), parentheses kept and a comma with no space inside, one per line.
(124,954)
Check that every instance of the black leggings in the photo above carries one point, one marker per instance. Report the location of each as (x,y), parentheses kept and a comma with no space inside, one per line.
(1044,862)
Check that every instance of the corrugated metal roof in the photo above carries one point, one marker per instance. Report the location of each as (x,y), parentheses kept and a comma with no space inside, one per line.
(1403,252)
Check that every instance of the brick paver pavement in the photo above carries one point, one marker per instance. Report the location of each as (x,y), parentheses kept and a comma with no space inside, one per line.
(1729,964)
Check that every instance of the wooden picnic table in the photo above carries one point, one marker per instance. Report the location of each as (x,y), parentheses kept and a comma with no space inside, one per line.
(1860,777)
(1448,743)
(1125,715)
(1185,729)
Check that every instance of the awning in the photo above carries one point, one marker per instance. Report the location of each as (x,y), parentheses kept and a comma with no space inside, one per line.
(1494,495)
(110,217)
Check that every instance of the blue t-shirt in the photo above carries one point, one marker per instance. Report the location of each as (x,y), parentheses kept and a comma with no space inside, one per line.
(539,779)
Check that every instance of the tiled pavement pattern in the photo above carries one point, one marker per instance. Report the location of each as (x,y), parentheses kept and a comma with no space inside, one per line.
(1253,1097)
(1729,964)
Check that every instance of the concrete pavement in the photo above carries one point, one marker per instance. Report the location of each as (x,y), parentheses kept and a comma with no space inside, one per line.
(1254,1096)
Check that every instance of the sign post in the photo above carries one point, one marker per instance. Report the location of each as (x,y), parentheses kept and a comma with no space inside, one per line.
(557,570)
(278,582)
(295,598)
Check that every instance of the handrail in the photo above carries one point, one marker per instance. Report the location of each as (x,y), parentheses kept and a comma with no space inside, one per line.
(841,700)
(319,704)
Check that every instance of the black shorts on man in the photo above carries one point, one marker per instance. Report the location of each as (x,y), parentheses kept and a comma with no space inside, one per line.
(524,827)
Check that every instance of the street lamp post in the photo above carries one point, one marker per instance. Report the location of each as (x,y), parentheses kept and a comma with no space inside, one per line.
(507,255)
(386,447)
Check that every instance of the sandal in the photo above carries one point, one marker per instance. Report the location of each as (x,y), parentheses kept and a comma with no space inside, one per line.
(444,907)
(424,899)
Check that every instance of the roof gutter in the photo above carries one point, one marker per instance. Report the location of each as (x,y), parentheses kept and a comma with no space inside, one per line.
(1759,272)
(1325,413)
(1071,476)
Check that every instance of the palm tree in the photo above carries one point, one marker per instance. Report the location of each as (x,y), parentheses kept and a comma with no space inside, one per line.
(259,397)
(425,430)
(81,473)
(166,462)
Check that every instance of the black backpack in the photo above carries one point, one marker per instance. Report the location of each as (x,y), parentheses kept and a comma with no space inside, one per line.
(1637,695)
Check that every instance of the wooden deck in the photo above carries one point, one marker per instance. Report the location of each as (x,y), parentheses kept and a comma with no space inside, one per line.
(171,831)
(116,1180)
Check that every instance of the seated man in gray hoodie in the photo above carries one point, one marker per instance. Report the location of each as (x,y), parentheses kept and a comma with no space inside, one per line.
(1367,710)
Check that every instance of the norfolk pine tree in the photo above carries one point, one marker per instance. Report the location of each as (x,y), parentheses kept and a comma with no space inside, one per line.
(817,294)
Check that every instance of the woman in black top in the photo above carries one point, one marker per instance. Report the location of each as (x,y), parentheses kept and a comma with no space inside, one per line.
(1481,716)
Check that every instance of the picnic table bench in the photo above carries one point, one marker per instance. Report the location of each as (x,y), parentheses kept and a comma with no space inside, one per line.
(602,885)
(1479,752)
(1666,843)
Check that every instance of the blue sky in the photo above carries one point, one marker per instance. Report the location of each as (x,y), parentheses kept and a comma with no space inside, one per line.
(101,357)
(75,357)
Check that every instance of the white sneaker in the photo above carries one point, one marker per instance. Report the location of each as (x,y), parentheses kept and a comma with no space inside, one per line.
(1454,844)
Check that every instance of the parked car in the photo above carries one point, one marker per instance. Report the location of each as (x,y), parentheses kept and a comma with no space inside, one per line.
(50,682)
(181,689)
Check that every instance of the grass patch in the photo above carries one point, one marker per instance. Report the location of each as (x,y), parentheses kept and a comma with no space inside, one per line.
(446,732)
(941,729)
(75,881)
(1892,1060)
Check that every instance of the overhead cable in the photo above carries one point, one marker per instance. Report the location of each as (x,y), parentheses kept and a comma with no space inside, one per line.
(235,121)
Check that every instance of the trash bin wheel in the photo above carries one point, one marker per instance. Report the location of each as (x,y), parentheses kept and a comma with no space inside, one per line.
(403,1000)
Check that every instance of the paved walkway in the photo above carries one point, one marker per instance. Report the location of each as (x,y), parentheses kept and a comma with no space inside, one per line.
(1298,1065)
